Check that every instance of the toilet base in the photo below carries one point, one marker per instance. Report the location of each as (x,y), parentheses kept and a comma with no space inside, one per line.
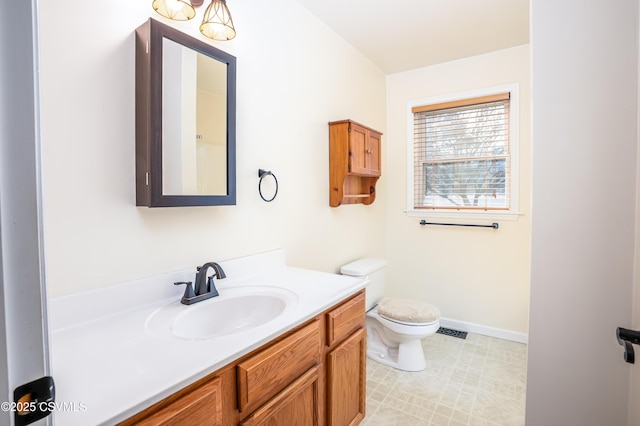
(407,356)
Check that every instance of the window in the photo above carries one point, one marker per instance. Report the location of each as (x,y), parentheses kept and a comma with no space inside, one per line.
(463,155)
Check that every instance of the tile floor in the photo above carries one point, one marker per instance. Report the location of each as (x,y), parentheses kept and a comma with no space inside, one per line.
(475,381)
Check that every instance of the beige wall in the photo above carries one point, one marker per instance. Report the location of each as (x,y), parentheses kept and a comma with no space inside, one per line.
(480,276)
(95,236)
(294,76)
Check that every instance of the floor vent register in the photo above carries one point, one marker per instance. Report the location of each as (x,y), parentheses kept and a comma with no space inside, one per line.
(452,333)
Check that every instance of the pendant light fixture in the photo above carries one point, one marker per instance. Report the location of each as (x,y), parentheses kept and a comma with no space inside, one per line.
(179,10)
(217,23)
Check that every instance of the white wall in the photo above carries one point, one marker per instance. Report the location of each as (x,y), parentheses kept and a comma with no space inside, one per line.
(584,67)
(24,355)
(479,276)
(294,76)
(634,394)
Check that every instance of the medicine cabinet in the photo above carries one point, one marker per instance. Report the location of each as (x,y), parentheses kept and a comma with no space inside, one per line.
(185,120)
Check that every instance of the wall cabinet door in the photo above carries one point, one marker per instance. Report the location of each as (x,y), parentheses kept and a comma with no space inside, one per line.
(364,151)
(373,156)
(346,381)
(357,150)
(298,404)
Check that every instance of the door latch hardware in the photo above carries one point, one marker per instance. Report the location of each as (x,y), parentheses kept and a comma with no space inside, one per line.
(33,401)
(627,338)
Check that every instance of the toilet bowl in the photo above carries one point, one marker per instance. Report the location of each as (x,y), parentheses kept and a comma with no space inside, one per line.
(394,326)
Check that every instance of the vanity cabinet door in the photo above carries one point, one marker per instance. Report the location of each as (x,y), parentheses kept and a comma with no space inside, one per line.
(346,381)
(298,404)
(202,407)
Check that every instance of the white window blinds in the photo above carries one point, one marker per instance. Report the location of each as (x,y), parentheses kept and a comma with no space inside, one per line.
(461,154)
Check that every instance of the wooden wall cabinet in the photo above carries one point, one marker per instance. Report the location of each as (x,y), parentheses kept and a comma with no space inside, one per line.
(313,375)
(354,163)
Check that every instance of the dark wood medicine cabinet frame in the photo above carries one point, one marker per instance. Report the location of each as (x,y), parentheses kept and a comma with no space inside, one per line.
(149,51)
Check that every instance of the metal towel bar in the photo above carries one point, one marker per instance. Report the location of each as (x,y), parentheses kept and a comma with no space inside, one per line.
(494,225)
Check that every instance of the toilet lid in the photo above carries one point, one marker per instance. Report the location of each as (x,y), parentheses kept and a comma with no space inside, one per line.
(407,310)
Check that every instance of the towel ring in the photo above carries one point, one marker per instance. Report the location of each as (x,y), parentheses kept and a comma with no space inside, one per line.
(262,174)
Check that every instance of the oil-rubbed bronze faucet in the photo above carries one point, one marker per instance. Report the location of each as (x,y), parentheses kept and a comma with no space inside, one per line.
(205,287)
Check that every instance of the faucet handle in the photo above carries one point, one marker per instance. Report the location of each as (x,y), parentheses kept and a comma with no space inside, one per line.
(188,292)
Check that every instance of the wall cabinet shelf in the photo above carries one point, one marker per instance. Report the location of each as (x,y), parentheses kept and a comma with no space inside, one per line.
(354,163)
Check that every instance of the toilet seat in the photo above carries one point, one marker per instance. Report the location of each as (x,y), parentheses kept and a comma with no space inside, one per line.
(408,311)
(402,328)
(407,324)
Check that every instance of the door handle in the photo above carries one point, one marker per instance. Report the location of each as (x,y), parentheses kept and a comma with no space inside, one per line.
(627,338)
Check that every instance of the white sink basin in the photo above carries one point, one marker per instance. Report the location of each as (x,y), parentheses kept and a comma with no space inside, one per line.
(236,310)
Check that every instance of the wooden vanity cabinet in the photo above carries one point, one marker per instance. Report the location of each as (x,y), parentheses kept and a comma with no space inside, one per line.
(354,163)
(313,375)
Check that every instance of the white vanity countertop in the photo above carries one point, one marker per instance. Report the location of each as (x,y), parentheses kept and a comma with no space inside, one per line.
(107,366)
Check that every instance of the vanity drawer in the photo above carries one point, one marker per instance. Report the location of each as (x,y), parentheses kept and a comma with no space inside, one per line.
(345,319)
(201,406)
(271,370)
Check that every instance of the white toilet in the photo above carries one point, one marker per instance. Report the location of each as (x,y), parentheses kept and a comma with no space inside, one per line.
(394,326)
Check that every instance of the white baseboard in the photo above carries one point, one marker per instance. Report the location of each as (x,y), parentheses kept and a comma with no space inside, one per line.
(484,330)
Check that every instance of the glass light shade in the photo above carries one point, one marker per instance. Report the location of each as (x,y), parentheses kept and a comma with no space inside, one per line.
(179,10)
(217,23)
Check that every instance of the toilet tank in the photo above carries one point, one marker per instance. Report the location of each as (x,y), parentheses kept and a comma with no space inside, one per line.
(374,269)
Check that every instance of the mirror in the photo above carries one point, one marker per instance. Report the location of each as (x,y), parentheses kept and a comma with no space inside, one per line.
(194,128)
(185,114)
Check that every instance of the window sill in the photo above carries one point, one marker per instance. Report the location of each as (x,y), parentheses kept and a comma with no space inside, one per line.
(474,215)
